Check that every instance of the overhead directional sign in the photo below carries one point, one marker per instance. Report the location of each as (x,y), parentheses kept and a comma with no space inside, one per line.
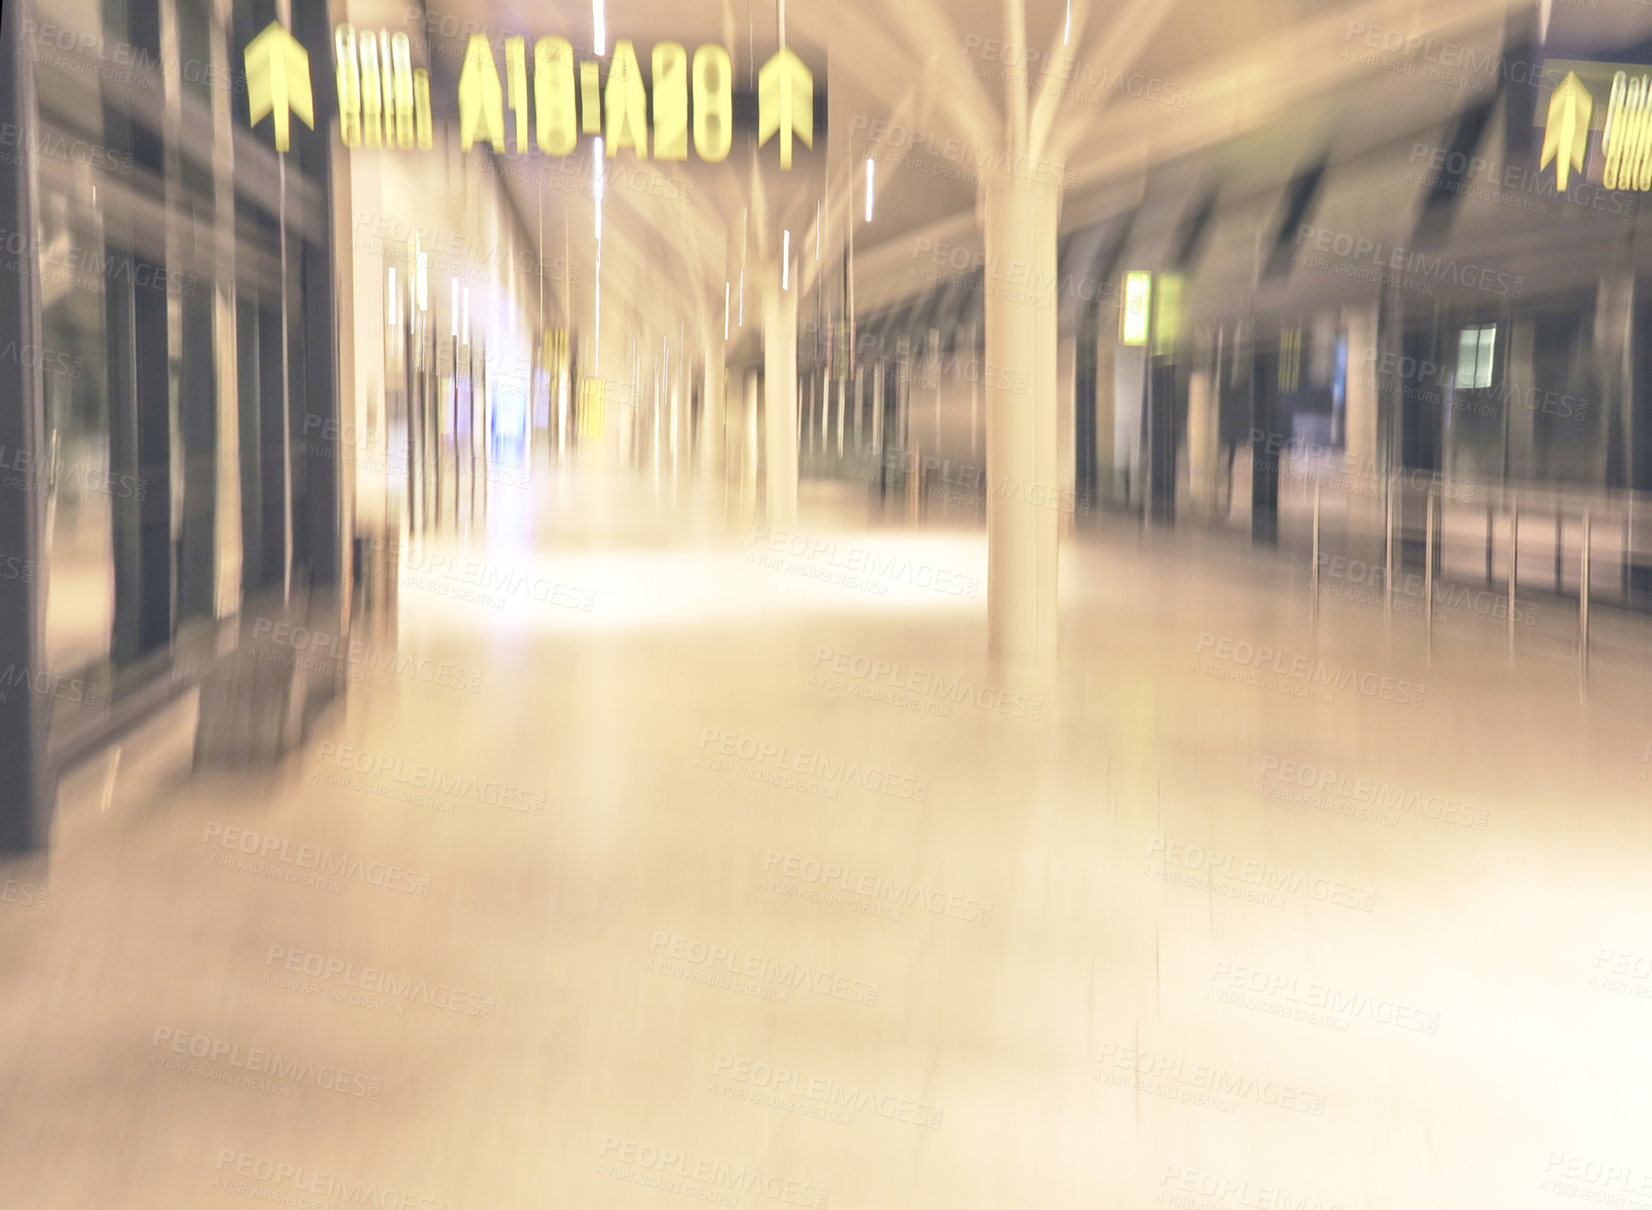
(481,99)
(377,80)
(1566,135)
(1584,96)
(1626,138)
(278,82)
(681,101)
(785,103)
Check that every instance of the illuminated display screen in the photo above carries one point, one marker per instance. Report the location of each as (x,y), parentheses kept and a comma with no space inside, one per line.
(1138,292)
(1167,324)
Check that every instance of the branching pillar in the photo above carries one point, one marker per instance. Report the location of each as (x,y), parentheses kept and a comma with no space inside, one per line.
(1022,528)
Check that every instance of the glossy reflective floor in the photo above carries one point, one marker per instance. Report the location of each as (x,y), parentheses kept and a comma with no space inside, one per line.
(670,871)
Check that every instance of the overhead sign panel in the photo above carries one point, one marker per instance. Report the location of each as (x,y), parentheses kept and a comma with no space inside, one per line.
(555,98)
(1596,120)
(384,101)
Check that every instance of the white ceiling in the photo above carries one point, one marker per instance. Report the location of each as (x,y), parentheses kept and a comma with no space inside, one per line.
(1271,82)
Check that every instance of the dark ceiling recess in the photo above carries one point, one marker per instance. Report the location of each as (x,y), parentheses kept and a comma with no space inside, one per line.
(949,312)
(972,313)
(743,109)
(1107,260)
(1300,198)
(1074,260)
(1521,72)
(1194,233)
(926,314)
(1443,190)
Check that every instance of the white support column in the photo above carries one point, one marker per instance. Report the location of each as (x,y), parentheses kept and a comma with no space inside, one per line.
(1366,479)
(1022,536)
(713,407)
(779,402)
(1201,441)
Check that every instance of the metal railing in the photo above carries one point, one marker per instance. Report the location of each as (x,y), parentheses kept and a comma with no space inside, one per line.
(1449,513)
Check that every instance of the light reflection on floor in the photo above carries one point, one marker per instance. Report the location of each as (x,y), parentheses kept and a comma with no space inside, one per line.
(1154,960)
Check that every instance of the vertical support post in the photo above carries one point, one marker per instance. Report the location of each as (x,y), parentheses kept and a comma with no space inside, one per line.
(860,390)
(1022,223)
(748,457)
(1428,566)
(1558,537)
(841,388)
(876,388)
(483,429)
(430,430)
(436,428)
(914,486)
(1266,439)
(1514,566)
(1583,607)
(433,426)
(471,402)
(1313,576)
(455,427)
(330,500)
(1362,327)
(1388,555)
(28,788)
(1627,562)
(713,408)
(1489,541)
(410,398)
(779,400)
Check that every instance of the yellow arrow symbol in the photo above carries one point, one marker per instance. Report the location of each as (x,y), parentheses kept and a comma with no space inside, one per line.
(481,97)
(785,103)
(1567,131)
(278,81)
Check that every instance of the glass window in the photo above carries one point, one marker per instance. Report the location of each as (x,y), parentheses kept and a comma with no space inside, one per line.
(1474,355)
(75,481)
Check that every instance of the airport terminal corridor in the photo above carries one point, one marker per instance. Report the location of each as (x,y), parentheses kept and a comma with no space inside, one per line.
(975,604)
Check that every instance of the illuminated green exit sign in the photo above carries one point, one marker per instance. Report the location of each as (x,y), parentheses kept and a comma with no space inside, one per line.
(1138,296)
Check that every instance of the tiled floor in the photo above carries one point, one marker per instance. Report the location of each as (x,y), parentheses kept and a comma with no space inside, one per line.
(704,909)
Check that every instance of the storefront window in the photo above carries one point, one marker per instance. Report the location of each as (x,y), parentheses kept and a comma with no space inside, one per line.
(70,475)
(1566,426)
(73,475)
